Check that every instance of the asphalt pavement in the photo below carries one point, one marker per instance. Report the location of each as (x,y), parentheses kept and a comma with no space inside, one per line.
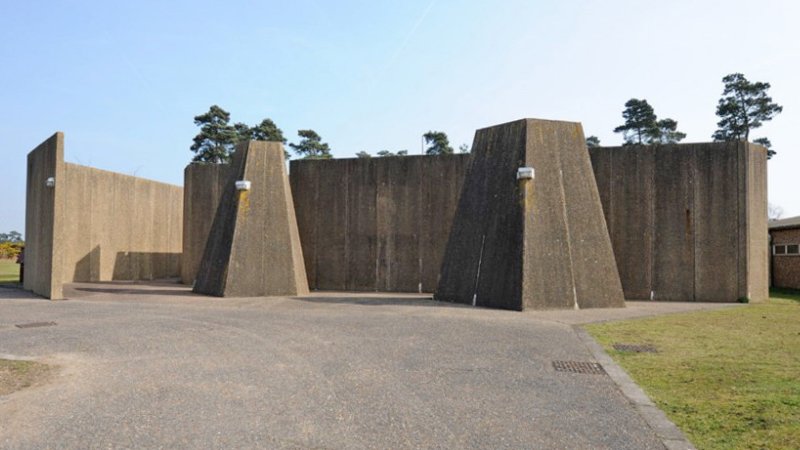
(155,366)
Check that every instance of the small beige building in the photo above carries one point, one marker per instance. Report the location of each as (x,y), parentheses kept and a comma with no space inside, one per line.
(785,250)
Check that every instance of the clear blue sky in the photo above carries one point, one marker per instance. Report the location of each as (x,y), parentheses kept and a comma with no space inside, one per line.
(123,80)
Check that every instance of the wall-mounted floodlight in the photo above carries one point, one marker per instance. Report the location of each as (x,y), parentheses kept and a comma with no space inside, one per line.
(50,182)
(525,173)
(242,185)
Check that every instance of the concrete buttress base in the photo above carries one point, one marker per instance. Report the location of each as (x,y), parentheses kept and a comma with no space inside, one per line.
(253,248)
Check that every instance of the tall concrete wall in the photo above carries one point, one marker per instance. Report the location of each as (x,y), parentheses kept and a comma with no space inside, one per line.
(382,223)
(202,188)
(687,221)
(44,211)
(94,225)
(376,224)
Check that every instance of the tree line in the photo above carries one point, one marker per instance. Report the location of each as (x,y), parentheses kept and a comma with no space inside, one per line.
(217,139)
(743,107)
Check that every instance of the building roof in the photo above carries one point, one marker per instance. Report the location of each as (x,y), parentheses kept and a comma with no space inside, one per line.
(789,222)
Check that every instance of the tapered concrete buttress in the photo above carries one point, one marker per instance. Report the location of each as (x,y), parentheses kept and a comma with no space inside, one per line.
(538,243)
(253,248)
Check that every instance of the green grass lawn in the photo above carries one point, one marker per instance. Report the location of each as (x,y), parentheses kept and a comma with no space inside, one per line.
(9,271)
(730,379)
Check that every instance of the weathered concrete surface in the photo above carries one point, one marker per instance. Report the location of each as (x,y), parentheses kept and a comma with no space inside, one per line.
(44,216)
(202,187)
(376,224)
(673,222)
(687,221)
(95,225)
(253,248)
(119,227)
(153,366)
(538,243)
(755,203)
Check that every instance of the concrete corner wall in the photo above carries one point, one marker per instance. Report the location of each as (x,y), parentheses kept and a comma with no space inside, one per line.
(376,224)
(540,243)
(95,225)
(202,187)
(44,211)
(253,248)
(687,221)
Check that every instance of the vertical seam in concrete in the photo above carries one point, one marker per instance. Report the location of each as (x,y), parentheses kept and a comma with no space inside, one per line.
(651,204)
(421,206)
(377,229)
(693,177)
(566,227)
(316,226)
(478,272)
(347,181)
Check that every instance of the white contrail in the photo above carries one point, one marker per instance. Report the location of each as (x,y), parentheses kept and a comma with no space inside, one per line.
(408,37)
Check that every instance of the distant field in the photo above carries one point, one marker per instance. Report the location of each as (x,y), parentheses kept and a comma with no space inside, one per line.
(730,378)
(9,271)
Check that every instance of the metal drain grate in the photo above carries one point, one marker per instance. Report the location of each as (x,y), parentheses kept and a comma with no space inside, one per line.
(635,348)
(35,324)
(591,368)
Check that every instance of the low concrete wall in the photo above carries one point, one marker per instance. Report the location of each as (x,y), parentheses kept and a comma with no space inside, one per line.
(687,221)
(376,224)
(203,186)
(95,225)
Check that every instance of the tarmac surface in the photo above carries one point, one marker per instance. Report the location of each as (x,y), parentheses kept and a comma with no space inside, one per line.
(155,366)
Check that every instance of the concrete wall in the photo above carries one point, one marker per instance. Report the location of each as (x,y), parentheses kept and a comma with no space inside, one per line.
(95,225)
(44,211)
(687,221)
(119,227)
(786,268)
(203,185)
(376,224)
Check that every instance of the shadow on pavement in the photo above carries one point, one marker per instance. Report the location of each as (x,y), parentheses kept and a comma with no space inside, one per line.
(360,299)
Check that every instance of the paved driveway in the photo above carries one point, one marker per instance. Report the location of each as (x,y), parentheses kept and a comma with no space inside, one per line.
(155,366)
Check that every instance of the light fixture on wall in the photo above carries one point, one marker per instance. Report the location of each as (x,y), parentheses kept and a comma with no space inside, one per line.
(50,182)
(525,173)
(242,185)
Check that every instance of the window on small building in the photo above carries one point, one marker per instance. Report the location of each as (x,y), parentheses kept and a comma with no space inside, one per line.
(793,249)
(779,250)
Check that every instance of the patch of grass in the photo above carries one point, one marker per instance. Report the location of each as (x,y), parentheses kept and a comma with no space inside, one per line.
(9,271)
(730,379)
(16,375)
